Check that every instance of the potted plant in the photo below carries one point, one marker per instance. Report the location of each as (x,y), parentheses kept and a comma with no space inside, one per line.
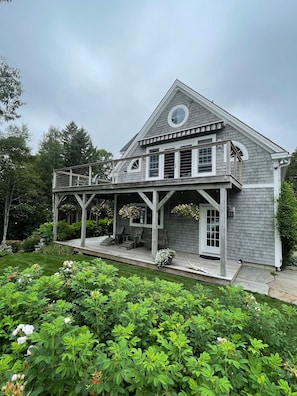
(187,210)
(130,211)
(164,257)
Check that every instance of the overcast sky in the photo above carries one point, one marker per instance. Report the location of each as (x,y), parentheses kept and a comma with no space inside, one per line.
(106,64)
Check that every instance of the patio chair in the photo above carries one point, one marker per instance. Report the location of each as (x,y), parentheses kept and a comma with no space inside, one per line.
(120,236)
(138,237)
(162,239)
(135,241)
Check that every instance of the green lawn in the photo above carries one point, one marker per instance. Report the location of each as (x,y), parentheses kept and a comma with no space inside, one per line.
(51,263)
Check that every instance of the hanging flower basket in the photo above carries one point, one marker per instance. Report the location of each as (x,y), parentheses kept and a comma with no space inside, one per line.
(187,210)
(164,257)
(130,211)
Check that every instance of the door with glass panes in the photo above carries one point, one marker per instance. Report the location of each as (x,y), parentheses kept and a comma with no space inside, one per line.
(209,231)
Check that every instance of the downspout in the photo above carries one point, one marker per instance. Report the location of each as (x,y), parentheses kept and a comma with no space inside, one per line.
(278,164)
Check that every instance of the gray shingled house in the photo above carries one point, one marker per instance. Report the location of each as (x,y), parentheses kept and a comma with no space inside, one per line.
(191,151)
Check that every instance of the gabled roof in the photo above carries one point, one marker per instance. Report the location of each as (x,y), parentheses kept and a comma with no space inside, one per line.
(212,107)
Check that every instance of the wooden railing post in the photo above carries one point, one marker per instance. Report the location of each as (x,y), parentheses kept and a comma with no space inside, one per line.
(228,157)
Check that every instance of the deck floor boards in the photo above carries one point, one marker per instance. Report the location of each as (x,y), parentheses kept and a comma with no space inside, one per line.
(184,264)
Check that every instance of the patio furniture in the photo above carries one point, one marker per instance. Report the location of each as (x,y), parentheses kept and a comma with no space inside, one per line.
(120,237)
(162,239)
(135,241)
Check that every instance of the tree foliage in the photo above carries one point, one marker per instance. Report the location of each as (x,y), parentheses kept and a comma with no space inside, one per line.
(10,91)
(77,146)
(291,176)
(14,154)
(287,221)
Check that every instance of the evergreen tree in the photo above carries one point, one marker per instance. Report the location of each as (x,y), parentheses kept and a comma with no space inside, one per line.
(77,146)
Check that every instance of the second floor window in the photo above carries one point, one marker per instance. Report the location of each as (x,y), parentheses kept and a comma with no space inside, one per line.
(205,157)
(180,161)
(153,163)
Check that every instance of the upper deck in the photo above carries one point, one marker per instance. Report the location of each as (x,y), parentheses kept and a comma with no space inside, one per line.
(207,166)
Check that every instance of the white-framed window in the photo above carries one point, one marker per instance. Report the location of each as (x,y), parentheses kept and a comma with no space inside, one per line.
(177,116)
(205,157)
(134,166)
(146,217)
(153,164)
(187,162)
(240,148)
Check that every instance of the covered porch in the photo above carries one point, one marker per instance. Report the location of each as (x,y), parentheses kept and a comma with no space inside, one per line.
(184,264)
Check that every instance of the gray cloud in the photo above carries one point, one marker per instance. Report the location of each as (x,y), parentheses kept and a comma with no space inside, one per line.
(106,65)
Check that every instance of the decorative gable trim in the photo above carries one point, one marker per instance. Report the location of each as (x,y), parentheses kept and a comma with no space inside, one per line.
(183,134)
(212,107)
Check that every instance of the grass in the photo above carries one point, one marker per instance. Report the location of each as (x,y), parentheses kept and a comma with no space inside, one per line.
(50,263)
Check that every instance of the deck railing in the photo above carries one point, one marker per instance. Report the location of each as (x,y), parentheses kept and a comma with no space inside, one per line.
(211,159)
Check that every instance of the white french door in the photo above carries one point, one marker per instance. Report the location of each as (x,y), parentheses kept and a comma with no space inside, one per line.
(209,231)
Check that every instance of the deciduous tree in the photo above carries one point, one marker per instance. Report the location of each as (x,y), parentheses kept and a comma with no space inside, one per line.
(10,91)
(14,153)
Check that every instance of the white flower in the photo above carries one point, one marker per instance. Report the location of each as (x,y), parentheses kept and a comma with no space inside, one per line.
(57,274)
(25,328)
(29,350)
(28,329)
(67,320)
(22,340)
(15,331)
(14,377)
(67,264)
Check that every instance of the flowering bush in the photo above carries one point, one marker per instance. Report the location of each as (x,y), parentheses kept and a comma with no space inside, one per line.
(130,211)
(91,332)
(187,210)
(164,257)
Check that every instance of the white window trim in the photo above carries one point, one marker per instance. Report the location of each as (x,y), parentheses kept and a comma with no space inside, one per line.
(148,164)
(241,147)
(130,170)
(179,145)
(186,110)
(145,225)
(213,157)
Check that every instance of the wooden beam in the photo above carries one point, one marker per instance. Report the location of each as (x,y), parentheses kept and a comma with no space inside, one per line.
(155,224)
(209,199)
(56,202)
(146,200)
(84,203)
(115,212)
(223,230)
(165,199)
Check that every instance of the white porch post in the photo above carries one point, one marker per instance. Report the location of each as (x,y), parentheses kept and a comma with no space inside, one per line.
(155,224)
(223,230)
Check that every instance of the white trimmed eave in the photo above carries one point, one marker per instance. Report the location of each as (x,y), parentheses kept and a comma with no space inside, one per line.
(218,111)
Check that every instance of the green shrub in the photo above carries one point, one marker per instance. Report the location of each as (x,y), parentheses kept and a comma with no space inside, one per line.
(57,250)
(16,246)
(287,221)
(29,243)
(64,231)
(104,226)
(45,231)
(90,229)
(87,331)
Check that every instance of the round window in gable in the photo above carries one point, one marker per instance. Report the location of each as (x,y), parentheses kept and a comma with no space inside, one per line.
(178,115)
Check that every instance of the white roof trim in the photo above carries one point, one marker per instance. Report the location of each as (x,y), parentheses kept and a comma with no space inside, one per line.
(218,111)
